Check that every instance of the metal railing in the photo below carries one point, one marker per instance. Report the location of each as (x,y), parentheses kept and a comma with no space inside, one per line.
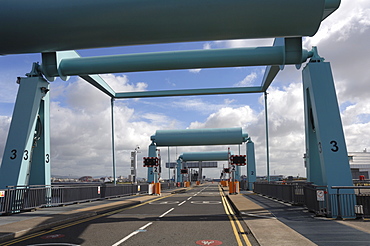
(23,198)
(343,203)
(168,185)
(318,200)
(289,192)
(319,206)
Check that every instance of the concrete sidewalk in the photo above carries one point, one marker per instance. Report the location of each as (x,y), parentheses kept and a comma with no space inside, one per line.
(275,223)
(265,227)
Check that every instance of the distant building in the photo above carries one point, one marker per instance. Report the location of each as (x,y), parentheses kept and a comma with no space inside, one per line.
(86,179)
(359,163)
(272,178)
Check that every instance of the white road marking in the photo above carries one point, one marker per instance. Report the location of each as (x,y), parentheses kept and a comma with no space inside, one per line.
(205,202)
(166,212)
(164,203)
(132,234)
(189,198)
(181,203)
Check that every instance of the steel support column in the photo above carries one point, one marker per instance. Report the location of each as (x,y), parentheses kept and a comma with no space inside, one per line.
(327,157)
(40,168)
(152,152)
(178,170)
(24,154)
(251,164)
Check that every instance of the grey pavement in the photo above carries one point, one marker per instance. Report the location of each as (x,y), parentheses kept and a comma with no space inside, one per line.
(16,225)
(277,223)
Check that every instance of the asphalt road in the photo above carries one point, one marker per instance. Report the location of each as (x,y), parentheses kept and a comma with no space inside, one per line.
(200,216)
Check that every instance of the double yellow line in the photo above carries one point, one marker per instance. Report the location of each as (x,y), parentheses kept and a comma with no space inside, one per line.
(36,234)
(239,232)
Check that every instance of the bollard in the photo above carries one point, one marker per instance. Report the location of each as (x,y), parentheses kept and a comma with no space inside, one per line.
(231,188)
(157,188)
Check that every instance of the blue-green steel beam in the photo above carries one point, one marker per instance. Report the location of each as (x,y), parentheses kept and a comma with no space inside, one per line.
(50,69)
(293,51)
(196,137)
(172,60)
(330,7)
(83,24)
(205,156)
(189,92)
(269,76)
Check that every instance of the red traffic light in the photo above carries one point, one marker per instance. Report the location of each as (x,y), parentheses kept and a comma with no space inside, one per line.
(239,160)
(150,161)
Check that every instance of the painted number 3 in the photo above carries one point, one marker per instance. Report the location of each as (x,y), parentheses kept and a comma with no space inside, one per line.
(14,154)
(335,147)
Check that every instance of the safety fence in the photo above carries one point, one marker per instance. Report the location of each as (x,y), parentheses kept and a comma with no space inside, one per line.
(317,198)
(18,199)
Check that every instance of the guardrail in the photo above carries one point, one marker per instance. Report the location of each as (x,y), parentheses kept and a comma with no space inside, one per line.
(289,192)
(362,209)
(318,200)
(25,198)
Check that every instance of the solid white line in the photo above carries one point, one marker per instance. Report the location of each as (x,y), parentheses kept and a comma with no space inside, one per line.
(181,203)
(190,198)
(166,212)
(132,234)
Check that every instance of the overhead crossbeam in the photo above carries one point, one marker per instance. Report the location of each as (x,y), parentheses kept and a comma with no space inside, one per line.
(285,51)
(84,24)
(197,137)
(293,47)
(50,67)
(191,59)
(205,156)
(189,92)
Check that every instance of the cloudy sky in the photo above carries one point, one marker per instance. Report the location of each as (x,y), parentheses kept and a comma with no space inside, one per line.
(80,114)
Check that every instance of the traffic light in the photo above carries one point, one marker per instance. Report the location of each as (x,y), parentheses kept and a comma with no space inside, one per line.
(150,161)
(239,160)
(226,170)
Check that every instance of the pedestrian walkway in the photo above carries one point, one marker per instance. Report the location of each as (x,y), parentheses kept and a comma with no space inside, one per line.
(277,223)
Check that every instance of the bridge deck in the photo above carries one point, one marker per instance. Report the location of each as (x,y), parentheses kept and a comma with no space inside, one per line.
(271,222)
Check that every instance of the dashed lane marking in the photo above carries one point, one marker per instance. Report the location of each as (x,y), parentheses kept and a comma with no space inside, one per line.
(141,229)
(181,203)
(164,203)
(206,202)
(164,214)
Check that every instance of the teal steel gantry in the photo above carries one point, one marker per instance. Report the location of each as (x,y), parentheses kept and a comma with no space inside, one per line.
(208,136)
(72,25)
(200,156)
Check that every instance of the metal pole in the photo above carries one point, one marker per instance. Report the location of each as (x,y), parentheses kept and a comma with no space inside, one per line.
(169,166)
(135,170)
(267,140)
(339,215)
(113,152)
